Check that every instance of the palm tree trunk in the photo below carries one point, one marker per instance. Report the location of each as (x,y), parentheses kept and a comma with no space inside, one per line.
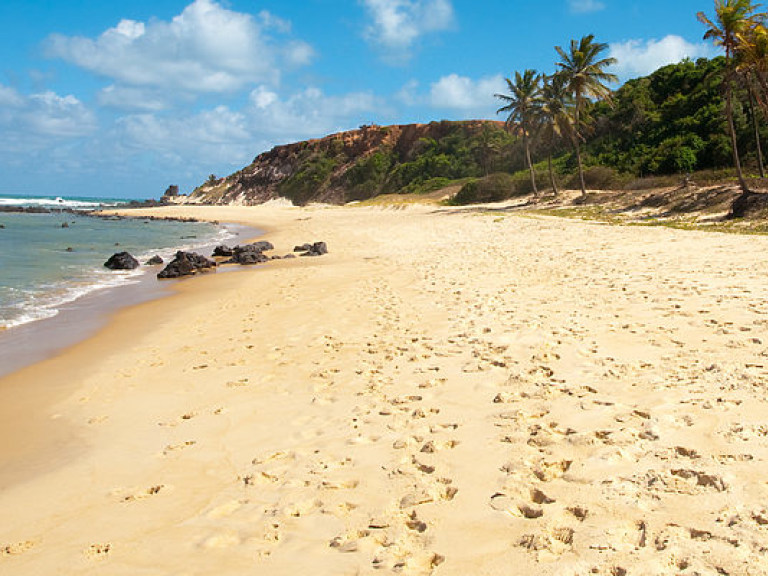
(756,127)
(530,165)
(732,130)
(551,173)
(581,168)
(578,149)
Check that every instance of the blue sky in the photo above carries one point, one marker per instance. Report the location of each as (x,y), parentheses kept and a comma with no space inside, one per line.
(122,99)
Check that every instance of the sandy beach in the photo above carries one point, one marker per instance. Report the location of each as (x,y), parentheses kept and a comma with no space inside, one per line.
(448,391)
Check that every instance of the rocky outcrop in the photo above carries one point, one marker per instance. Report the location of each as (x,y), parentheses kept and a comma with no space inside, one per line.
(250,253)
(121,261)
(315,249)
(336,169)
(186,264)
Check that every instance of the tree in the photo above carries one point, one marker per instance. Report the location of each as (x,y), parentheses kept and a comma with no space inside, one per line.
(584,71)
(554,109)
(521,109)
(752,67)
(733,21)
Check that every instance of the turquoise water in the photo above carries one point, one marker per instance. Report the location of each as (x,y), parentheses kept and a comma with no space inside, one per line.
(44,265)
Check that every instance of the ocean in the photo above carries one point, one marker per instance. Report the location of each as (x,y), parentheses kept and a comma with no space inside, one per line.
(50,259)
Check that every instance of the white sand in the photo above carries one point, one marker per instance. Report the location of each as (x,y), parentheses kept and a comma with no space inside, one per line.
(446,392)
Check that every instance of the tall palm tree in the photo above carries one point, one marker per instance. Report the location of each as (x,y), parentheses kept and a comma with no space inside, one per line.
(521,104)
(554,113)
(584,69)
(733,20)
(752,67)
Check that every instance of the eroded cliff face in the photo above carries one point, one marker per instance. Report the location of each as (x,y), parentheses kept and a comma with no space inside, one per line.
(348,166)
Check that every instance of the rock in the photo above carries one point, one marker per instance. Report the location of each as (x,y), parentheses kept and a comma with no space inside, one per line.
(64,225)
(121,261)
(2,226)
(250,253)
(186,264)
(223,251)
(247,258)
(316,249)
(259,246)
(289,256)
(303,248)
(69,249)
(154,261)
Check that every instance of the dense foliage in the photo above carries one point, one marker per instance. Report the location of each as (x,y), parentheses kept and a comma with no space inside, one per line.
(671,122)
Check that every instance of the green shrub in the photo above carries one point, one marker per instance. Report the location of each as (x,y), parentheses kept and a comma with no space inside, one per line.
(493,188)
(304,184)
(598,178)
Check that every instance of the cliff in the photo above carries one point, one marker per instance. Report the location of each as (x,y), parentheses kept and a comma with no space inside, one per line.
(364,163)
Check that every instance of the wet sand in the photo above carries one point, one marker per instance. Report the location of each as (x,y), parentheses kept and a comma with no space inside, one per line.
(447,392)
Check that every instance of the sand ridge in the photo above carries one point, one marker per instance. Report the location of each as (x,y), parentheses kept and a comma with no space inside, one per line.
(447,392)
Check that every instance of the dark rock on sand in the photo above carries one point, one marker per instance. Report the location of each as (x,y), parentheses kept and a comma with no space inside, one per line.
(154,261)
(303,248)
(289,256)
(223,251)
(316,249)
(249,257)
(121,261)
(250,253)
(186,264)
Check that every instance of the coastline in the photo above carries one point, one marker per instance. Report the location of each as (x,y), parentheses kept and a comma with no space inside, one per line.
(82,316)
(447,391)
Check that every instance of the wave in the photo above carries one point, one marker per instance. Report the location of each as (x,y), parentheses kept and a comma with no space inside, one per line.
(58,202)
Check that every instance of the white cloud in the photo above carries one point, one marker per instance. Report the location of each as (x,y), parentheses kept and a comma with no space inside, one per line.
(38,121)
(211,136)
(397,24)
(9,97)
(641,57)
(132,98)
(206,48)
(585,6)
(225,137)
(309,113)
(465,94)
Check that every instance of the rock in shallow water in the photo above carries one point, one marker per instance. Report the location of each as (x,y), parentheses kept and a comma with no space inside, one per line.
(121,261)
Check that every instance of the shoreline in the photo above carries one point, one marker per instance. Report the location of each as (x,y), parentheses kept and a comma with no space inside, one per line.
(446,392)
(82,317)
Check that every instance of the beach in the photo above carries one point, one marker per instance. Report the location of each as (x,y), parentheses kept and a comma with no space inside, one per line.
(448,391)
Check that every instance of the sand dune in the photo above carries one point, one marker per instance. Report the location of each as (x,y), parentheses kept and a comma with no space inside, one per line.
(447,392)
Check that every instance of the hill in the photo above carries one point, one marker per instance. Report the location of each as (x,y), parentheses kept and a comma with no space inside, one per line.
(363,163)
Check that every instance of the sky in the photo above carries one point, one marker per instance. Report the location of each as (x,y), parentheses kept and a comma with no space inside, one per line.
(122,99)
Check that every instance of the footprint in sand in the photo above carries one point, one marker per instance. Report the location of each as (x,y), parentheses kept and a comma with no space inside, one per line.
(17,548)
(140,495)
(98,550)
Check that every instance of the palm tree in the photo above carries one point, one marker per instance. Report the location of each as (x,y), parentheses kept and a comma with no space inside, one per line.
(733,20)
(521,104)
(584,71)
(752,67)
(554,114)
